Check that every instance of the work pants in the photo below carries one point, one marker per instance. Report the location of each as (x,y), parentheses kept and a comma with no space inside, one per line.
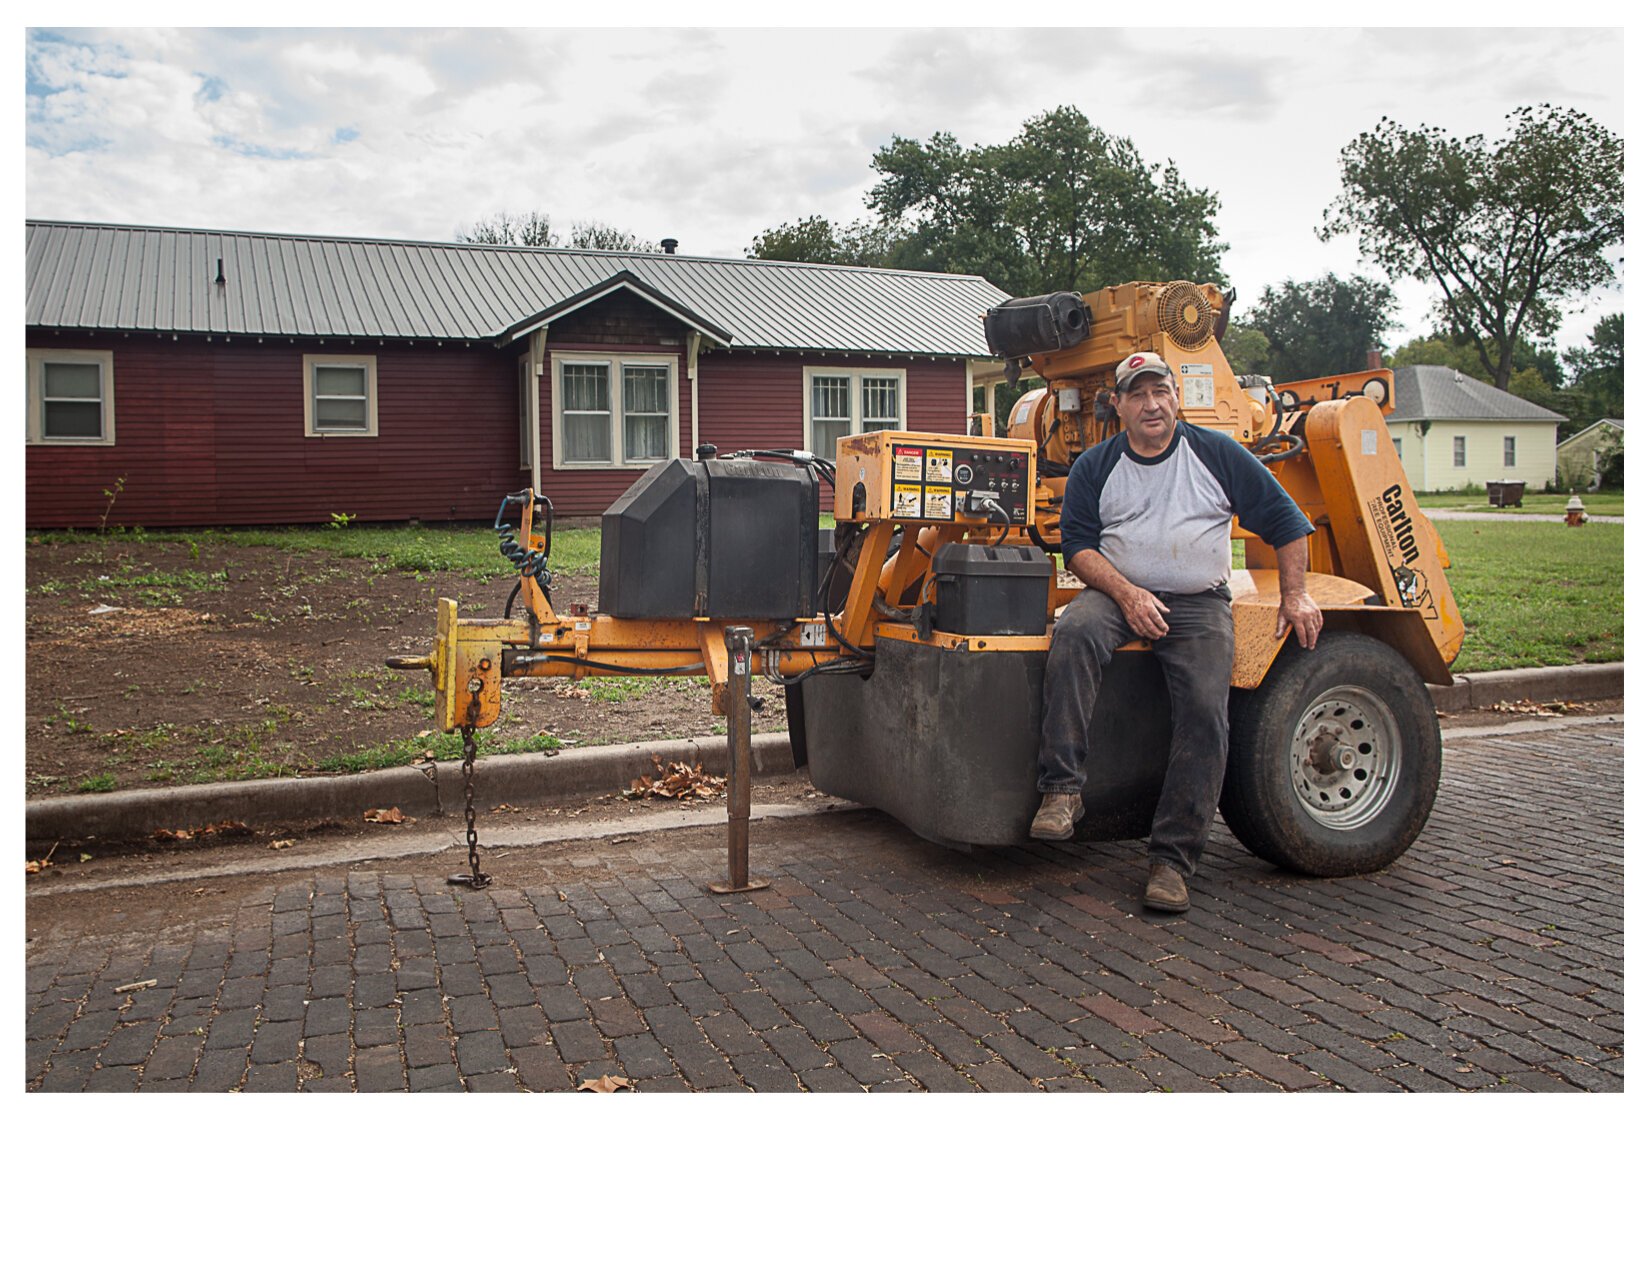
(1196,658)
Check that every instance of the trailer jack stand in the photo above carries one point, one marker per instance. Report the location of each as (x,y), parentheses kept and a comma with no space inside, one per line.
(739,881)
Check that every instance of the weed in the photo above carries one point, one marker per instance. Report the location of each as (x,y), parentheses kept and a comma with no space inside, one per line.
(96,783)
(114,495)
(341,522)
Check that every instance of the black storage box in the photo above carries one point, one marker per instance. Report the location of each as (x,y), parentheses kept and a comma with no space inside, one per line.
(1036,325)
(727,539)
(988,591)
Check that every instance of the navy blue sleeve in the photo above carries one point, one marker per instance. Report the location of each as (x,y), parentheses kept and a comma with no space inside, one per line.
(1080,510)
(1258,498)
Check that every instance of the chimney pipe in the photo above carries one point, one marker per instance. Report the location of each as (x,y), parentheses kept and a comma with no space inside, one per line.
(220,278)
(669,245)
(1373,360)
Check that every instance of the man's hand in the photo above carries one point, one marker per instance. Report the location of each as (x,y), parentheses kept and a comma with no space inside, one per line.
(1299,612)
(1144,611)
(1296,610)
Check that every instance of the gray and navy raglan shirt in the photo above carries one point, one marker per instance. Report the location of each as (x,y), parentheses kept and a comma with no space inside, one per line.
(1164,521)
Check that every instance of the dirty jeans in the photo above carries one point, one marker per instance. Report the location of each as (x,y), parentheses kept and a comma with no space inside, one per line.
(1196,658)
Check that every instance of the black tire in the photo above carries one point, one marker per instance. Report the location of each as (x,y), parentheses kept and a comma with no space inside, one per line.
(1334,758)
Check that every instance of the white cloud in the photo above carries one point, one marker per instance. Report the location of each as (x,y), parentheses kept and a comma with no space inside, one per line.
(713,135)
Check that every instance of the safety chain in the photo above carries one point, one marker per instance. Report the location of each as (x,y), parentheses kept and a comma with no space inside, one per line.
(477,879)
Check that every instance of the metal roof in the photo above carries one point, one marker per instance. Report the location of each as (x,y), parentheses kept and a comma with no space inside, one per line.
(1431,393)
(149,279)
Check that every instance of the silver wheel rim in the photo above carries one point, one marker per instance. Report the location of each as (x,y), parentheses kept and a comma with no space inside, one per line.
(1345,758)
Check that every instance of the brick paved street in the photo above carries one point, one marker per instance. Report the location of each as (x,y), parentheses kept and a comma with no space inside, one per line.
(1490,957)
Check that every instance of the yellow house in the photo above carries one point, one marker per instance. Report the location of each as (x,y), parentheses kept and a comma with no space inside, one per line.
(1581,455)
(1451,430)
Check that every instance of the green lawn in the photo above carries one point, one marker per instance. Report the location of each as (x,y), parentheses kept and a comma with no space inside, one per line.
(1531,593)
(1612,503)
(1538,593)
(470,549)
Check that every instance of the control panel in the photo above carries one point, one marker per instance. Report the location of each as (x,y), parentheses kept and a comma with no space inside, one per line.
(908,477)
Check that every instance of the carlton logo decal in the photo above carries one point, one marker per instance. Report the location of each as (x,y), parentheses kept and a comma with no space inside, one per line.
(1397,532)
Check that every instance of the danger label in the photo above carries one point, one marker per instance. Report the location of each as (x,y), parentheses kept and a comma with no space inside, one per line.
(908,464)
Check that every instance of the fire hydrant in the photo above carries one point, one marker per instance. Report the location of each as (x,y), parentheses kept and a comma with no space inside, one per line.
(1575,513)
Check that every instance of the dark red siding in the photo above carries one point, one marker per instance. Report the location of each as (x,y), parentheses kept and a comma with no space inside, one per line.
(212,433)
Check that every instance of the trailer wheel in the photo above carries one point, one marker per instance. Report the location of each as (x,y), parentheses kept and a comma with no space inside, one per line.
(1334,758)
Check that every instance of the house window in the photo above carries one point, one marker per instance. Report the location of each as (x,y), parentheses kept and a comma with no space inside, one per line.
(1460,451)
(1509,451)
(1398,446)
(844,401)
(614,411)
(71,397)
(341,396)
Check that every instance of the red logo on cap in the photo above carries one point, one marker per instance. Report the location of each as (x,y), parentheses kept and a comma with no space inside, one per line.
(1136,361)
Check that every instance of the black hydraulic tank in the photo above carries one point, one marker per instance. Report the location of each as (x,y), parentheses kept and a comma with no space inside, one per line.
(732,538)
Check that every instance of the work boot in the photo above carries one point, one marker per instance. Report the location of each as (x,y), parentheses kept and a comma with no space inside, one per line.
(1057,816)
(1166,890)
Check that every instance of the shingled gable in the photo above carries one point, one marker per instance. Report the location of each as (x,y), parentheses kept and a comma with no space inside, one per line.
(262,378)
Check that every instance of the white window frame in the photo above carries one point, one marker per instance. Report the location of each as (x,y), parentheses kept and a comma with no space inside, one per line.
(368,362)
(1458,451)
(856,399)
(556,360)
(36,414)
(1509,451)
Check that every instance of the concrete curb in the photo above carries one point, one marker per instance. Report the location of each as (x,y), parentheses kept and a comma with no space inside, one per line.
(435,788)
(1566,682)
(525,777)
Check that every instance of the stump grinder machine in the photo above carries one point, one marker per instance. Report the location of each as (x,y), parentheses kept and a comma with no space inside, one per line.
(910,641)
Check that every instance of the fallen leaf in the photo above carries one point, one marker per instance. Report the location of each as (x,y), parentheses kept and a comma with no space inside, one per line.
(84,857)
(677,782)
(607,1084)
(282,845)
(425,734)
(33,865)
(392,815)
(169,834)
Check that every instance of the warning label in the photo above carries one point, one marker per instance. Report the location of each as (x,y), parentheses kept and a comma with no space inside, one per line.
(937,500)
(908,464)
(939,467)
(907,502)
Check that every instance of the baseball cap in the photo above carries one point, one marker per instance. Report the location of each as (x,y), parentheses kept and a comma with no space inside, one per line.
(1136,364)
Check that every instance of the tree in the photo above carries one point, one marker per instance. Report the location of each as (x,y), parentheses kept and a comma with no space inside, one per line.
(1598,371)
(1246,349)
(1322,327)
(598,234)
(817,239)
(532,230)
(1063,206)
(1509,232)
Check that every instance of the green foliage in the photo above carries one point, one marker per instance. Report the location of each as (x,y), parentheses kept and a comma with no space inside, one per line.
(341,521)
(1062,206)
(1246,349)
(1599,373)
(96,783)
(816,239)
(1320,328)
(1508,232)
(1537,594)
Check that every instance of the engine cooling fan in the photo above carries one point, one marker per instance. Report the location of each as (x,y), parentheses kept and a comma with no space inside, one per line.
(1184,315)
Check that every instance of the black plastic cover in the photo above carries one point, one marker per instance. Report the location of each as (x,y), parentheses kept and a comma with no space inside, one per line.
(1036,325)
(730,539)
(1000,591)
(945,741)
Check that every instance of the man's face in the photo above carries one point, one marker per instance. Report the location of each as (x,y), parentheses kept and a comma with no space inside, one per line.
(1148,409)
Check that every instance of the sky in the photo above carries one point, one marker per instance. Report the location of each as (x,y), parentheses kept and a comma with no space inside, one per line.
(712,135)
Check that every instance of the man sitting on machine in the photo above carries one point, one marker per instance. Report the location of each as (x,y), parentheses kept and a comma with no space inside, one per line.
(1146,526)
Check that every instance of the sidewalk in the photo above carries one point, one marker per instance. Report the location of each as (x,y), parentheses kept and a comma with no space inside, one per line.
(435,789)
(1489,957)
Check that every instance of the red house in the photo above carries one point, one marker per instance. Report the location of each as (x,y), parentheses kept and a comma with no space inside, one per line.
(249,378)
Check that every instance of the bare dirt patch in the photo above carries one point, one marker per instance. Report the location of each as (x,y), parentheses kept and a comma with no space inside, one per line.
(232,662)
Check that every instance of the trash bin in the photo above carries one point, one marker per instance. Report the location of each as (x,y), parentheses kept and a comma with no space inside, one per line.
(1503,495)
